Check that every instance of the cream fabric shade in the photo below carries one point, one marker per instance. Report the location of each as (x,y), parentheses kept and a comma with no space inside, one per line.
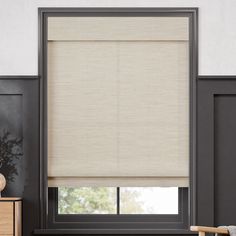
(118,101)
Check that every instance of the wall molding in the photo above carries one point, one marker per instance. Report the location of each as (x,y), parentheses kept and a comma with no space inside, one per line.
(26,184)
(19,77)
(210,90)
(216,77)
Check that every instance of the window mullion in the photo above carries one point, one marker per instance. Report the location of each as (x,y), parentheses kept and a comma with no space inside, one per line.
(118,200)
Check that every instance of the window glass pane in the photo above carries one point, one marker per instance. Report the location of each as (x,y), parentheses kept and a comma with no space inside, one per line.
(149,200)
(87,200)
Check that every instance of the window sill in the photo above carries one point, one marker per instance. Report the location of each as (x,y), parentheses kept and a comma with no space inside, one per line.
(110,231)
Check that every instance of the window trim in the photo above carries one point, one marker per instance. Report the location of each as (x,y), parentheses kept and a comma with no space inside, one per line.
(115,221)
(44,13)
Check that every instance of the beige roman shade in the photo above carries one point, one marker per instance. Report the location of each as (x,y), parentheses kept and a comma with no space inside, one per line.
(118,101)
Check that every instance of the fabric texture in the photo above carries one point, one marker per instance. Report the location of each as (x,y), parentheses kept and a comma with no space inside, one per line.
(118,102)
(230,228)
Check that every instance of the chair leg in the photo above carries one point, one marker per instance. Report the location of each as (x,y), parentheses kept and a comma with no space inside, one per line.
(201,233)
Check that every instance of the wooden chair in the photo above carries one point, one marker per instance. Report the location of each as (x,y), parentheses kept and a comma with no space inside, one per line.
(202,230)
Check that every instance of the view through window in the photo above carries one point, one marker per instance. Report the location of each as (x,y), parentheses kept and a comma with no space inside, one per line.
(124,200)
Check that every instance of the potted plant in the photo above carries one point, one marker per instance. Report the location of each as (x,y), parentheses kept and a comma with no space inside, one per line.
(10,151)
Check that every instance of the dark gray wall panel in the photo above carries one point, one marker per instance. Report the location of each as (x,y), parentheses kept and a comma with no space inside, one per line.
(216,147)
(216,150)
(204,163)
(225,158)
(19,114)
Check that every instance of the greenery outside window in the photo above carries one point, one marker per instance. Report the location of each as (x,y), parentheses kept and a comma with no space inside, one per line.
(124,200)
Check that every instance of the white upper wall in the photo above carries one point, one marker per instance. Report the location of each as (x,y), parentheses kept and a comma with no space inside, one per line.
(19,31)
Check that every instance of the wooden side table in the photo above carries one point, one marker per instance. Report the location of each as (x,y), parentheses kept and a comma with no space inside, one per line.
(10,216)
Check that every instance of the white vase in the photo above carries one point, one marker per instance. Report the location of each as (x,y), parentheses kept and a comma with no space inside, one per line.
(2,183)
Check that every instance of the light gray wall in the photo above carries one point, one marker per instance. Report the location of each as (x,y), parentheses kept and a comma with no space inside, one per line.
(19,31)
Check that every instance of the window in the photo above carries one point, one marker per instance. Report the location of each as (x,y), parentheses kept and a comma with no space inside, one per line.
(87,200)
(149,200)
(117,111)
(119,208)
(124,200)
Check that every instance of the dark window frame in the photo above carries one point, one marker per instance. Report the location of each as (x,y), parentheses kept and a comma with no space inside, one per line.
(117,221)
(192,14)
